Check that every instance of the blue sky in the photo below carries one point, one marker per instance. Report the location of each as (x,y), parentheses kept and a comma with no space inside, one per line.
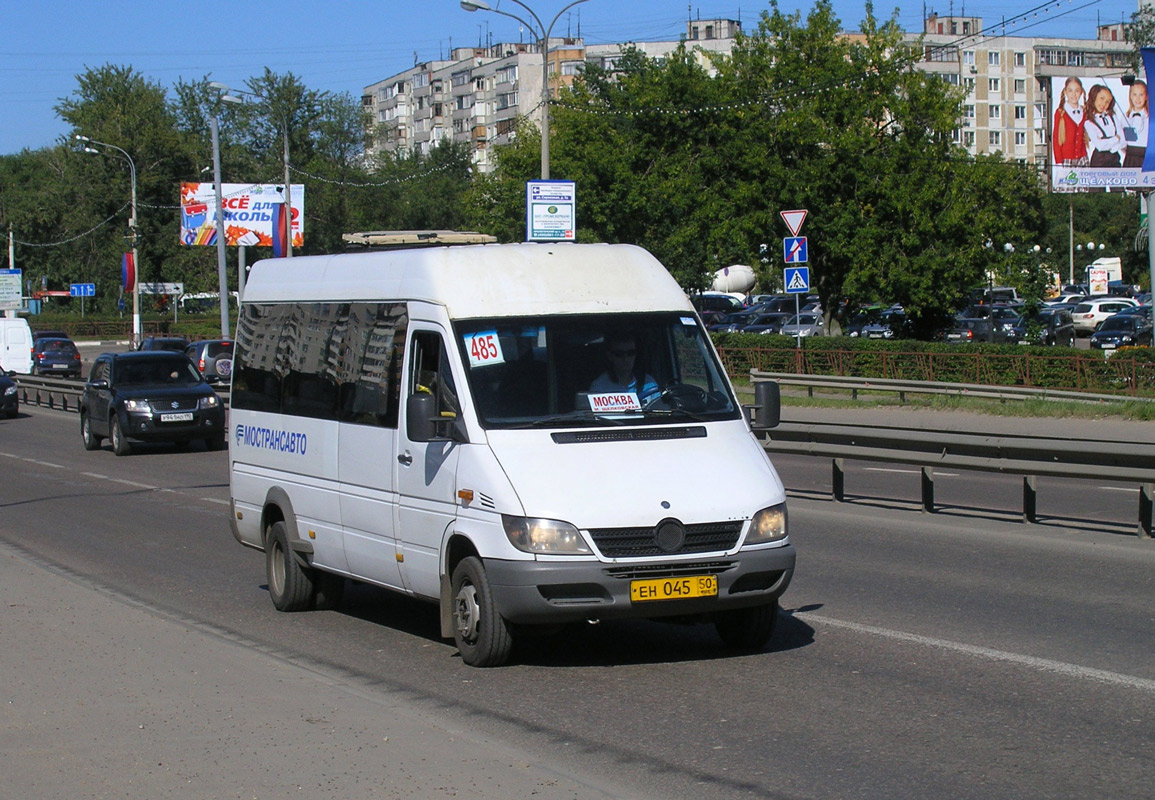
(346,45)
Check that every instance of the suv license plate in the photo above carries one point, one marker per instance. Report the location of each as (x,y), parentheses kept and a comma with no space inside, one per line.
(184,416)
(673,588)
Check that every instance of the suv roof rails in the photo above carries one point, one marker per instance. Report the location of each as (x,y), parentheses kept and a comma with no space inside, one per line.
(384,240)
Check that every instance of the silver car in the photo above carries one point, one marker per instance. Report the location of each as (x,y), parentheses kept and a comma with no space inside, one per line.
(804,325)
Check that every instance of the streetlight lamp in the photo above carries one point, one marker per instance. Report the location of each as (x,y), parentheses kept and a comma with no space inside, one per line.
(136,327)
(541,31)
(222,277)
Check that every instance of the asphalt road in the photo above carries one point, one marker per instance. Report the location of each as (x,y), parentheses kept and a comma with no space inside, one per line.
(960,654)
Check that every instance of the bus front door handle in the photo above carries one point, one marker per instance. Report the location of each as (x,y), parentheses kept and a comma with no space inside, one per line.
(405,459)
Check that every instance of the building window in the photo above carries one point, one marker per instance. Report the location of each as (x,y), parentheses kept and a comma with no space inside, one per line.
(949,77)
(995,138)
(955,136)
(1020,59)
(968,58)
(993,85)
(969,84)
(1020,137)
(995,111)
(1020,112)
(1020,86)
(993,58)
(968,138)
(969,111)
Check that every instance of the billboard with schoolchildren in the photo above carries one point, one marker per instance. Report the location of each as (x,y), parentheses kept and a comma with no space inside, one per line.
(1099,133)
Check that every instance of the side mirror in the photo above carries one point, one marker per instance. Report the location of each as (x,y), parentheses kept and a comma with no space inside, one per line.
(423,423)
(767,404)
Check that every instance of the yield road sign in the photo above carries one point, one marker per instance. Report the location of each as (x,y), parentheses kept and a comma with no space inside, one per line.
(797,280)
(794,220)
(82,290)
(794,250)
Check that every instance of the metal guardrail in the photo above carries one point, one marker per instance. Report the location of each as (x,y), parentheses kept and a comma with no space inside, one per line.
(1031,457)
(64,394)
(904,387)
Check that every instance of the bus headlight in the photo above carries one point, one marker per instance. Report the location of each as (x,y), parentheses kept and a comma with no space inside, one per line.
(768,525)
(534,535)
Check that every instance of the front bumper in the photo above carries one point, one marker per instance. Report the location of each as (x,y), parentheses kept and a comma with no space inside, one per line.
(148,427)
(532,592)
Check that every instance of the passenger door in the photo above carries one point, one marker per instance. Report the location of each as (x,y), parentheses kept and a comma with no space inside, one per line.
(370,362)
(426,471)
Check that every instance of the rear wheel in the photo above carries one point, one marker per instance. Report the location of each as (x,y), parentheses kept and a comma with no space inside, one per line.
(747,628)
(290,583)
(482,635)
(91,440)
(120,444)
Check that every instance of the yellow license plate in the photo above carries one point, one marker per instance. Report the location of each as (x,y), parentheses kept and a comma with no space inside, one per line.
(673,588)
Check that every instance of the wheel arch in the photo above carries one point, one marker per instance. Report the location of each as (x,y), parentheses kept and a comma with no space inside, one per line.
(457,548)
(279,508)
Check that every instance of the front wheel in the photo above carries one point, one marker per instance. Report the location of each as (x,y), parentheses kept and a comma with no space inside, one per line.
(747,628)
(290,584)
(483,637)
(120,444)
(91,440)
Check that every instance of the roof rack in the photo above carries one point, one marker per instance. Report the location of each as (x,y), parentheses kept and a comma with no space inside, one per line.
(394,239)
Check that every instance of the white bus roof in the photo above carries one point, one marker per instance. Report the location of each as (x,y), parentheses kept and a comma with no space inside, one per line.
(491,280)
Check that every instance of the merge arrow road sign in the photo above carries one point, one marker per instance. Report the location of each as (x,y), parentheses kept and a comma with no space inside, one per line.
(797,280)
(794,220)
(794,250)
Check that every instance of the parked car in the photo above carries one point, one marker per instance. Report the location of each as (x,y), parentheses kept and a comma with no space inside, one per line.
(149,396)
(9,395)
(213,357)
(1092,311)
(867,316)
(176,344)
(767,323)
(732,323)
(1122,330)
(803,325)
(55,357)
(891,325)
(1066,299)
(1048,326)
(969,329)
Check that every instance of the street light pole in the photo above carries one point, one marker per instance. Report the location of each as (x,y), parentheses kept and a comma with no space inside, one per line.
(136,326)
(222,274)
(542,32)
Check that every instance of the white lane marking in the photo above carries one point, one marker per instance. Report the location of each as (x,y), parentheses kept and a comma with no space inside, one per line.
(1041,664)
(1130,489)
(937,474)
(43,463)
(133,484)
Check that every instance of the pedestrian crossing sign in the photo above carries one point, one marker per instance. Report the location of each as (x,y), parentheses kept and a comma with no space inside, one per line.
(797,280)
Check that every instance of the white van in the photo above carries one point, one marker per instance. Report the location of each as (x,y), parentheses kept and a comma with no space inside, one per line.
(443,422)
(15,345)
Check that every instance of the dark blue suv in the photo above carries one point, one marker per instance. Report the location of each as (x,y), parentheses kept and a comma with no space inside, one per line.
(149,396)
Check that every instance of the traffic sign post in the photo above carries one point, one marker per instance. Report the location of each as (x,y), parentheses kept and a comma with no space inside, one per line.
(82,290)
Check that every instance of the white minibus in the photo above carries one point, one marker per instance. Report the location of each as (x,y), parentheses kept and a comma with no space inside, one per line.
(524,434)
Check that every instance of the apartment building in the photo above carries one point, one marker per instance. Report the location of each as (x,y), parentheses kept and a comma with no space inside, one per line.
(477,95)
(1007,79)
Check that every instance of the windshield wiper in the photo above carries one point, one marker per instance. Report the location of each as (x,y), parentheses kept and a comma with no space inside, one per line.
(671,412)
(573,417)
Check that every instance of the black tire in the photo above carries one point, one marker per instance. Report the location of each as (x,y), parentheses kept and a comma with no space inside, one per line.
(483,637)
(290,584)
(330,589)
(120,444)
(747,628)
(90,439)
(215,443)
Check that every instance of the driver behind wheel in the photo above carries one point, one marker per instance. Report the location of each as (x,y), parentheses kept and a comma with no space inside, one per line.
(620,376)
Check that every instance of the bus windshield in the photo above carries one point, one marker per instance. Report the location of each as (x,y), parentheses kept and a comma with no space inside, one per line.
(566,371)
